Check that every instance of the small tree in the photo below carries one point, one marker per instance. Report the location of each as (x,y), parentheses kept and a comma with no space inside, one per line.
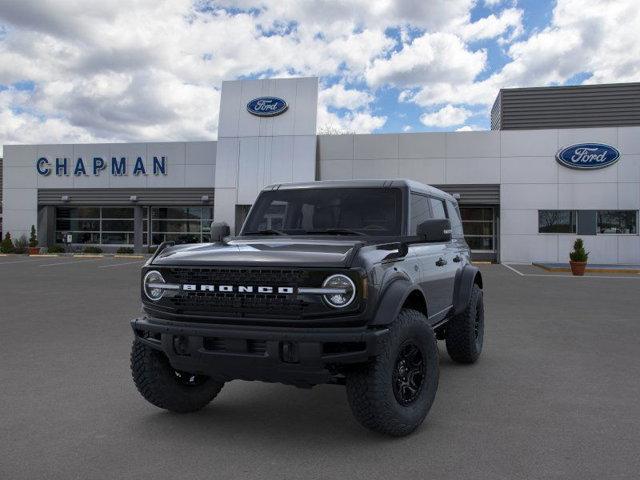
(33,239)
(7,244)
(20,245)
(579,254)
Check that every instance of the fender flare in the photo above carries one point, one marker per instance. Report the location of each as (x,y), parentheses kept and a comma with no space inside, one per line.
(392,299)
(466,277)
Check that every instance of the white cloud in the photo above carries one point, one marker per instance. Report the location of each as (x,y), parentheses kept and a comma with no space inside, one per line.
(407,128)
(447,116)
(351,122)
(433,57)
(509,20)
(469,128)
(338,96)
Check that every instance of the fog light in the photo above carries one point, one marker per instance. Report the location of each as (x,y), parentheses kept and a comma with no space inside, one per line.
(181,345)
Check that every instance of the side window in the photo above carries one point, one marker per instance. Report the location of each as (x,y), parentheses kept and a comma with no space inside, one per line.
(454,216)
(419,212)
(437,206)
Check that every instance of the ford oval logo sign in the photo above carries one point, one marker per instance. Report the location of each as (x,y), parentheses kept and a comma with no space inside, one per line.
(588,156)
(267,106)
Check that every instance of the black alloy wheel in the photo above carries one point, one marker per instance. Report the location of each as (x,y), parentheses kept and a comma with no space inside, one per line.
(408,373)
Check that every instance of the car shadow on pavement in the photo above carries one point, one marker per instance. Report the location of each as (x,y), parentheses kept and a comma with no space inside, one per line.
(262,411)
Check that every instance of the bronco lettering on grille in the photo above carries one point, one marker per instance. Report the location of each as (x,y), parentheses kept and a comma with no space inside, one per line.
(190,287)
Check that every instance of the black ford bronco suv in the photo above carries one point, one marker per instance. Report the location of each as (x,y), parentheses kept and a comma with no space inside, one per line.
(348,283)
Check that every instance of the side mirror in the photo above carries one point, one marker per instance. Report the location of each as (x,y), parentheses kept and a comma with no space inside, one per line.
(435,230)
(219,230)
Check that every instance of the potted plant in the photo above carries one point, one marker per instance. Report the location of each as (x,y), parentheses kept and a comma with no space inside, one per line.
(578,258)
(33,242)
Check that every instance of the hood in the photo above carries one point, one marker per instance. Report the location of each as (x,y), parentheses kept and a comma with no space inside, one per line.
(264,252)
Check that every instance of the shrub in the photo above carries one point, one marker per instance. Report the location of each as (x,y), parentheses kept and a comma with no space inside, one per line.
(33,239)
(579,254)
(124,250)
(56,249)
(21,244)
(7,244)
(91,249)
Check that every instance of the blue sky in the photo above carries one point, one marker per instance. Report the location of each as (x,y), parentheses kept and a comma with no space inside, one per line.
(145,70)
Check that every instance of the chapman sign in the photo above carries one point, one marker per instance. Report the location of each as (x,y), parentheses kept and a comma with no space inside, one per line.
(588,156)
(267,106)
(96,165)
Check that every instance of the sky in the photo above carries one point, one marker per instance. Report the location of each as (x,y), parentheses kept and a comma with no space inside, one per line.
(77,71)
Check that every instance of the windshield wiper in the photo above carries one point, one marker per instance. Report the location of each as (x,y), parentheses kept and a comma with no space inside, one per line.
(336,231)
(266,231)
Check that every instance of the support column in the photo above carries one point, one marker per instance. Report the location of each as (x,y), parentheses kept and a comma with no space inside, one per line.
(137,229)
(46,228)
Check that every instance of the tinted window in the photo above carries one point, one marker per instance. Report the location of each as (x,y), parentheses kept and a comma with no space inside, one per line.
(437,206)
(454,216)
(617,221)
(372,211)
(556,221)
(419,212)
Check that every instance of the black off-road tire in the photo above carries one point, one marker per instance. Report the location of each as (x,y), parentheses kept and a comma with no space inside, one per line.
(161,385)
(371,389)
(465,332)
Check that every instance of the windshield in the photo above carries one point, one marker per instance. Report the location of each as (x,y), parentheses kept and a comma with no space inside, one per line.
(328,211)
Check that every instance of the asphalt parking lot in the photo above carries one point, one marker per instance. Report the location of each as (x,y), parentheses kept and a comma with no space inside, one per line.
(555,394)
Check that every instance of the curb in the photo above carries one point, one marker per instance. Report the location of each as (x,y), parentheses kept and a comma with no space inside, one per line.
(128,256)
(589,270)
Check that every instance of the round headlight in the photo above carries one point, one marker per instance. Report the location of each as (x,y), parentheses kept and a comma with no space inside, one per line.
(344,291)
(150,284)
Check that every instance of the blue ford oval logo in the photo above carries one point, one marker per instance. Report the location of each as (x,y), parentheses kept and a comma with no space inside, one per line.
(267,106)
(588,156)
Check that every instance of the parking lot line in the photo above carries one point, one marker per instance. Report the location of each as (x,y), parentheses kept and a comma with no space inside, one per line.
(565,276)
(121,264)
(70,263)
(513,269)
(31,259)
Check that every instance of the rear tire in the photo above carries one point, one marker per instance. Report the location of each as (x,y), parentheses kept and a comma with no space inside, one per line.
(163,386)
(465,332)
(394,392)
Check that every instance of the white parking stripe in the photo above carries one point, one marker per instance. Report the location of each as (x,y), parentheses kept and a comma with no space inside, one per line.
(23,261)
(70,263)
(513,269)
(121,264)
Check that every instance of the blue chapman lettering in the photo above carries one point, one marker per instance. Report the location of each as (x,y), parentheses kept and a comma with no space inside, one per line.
(119,166)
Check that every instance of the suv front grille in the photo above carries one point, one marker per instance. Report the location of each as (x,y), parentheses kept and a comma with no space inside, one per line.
(235,304)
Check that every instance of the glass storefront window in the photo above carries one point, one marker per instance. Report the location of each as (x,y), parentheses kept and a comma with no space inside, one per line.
(179,224)
(618,221)
(479,228)
(95,225)
(556,221)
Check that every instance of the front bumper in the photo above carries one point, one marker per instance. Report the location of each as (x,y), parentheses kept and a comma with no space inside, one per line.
(304,357)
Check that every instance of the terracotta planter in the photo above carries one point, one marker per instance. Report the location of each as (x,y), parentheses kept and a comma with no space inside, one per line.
(578,268)
(34,250)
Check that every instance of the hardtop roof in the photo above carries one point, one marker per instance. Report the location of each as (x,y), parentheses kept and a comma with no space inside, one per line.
(382,183)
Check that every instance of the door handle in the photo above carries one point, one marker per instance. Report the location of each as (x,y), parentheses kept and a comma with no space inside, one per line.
(457,258)
(441,262)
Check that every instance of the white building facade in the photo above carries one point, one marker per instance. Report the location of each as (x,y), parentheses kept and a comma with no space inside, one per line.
(518,202)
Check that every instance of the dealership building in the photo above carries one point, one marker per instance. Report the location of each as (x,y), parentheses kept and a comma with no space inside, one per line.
(559,162)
